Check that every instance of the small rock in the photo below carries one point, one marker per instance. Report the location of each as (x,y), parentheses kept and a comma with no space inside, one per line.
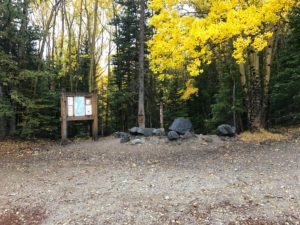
(188,135)
(207,139)
(137,141)
(117,134)
(159,132)
(155,142)
(172,135)
(179,142)
(226,130)
(167,197)
(65,142)
(124,137)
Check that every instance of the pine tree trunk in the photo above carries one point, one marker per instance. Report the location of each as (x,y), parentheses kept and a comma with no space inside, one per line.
(12,125)
(23,28)
(2,119)
(141,103)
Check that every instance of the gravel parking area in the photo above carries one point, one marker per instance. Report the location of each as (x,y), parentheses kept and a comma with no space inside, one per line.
(203,180)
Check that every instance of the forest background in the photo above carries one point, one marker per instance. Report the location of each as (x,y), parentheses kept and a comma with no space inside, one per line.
(235,62)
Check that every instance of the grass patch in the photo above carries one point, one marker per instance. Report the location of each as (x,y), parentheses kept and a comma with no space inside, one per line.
(261,136)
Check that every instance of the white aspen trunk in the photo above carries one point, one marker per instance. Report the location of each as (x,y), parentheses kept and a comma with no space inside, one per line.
(47,28)
(267,77)
(92,51)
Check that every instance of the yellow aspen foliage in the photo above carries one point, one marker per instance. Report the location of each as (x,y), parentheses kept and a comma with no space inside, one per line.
(187,30)
(189,90)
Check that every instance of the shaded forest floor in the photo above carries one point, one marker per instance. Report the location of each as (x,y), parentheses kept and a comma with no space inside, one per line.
(200,181)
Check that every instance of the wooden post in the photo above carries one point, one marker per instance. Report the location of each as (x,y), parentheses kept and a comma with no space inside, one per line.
(95,116)
(161,115)
(63,117)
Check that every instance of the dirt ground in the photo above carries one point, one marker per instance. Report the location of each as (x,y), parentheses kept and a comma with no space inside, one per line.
(199,181)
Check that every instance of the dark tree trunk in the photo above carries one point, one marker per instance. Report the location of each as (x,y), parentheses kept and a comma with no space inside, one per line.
(141,102)
(2,119)
(23,34)
(254,105)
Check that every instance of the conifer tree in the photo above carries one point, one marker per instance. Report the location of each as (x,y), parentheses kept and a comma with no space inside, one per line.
(285,92)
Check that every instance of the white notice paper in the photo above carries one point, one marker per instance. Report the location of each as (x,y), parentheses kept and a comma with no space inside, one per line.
(70,110)
(88,110)
(88,101)
(70,100)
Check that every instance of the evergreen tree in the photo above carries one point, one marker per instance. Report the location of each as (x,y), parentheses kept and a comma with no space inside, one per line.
(123,84)
(228,106)
(285,92)
(27,105)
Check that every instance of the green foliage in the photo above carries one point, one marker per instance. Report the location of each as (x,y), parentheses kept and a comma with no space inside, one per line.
(123,84)
(27,104)
(228,103)
(30,86)
(285,92)
(38,112)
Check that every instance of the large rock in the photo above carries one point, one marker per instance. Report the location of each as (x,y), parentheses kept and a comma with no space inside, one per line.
(173,135)
(141,131)
(181,125)
(147,132)
(136,131)
(159,132)
(226,130)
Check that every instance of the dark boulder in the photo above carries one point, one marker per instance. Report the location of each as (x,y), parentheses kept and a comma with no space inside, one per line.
(147,132)
(226,130)
(141,131)
(173,135)
(136,131)
(181,125)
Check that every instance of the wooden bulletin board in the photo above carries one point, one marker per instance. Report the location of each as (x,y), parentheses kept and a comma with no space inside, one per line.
(78,107)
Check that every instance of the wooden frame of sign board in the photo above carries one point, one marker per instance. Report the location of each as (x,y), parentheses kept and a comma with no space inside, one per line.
(70,110)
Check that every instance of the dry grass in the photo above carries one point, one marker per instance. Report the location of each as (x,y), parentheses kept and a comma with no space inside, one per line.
(22,146)
(260,136)
(294,129)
